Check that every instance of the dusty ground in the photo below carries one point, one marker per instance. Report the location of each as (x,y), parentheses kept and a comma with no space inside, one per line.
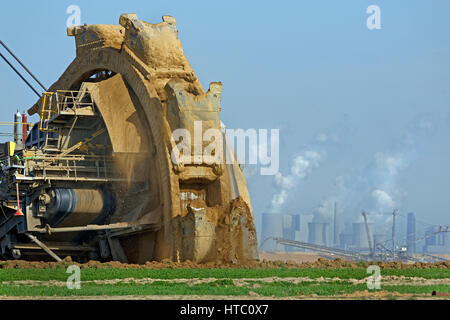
(301,257)
(297,257)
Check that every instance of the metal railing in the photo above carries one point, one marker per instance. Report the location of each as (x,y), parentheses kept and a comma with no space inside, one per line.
(53,103)
(71,167)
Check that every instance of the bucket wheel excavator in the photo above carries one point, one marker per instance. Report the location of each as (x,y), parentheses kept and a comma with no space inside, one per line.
(95,177)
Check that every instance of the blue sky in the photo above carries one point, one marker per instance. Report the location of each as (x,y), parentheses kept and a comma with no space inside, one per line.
(373,103)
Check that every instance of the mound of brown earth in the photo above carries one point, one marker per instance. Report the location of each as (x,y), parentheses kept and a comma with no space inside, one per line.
(264,264)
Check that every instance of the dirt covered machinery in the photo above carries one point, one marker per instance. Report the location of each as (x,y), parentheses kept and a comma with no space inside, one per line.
(95,178)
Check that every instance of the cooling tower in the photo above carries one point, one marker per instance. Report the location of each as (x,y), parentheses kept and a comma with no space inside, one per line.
(318,233)
(296,222)
(291,225)
(360,235)
(288,228)
(303,235)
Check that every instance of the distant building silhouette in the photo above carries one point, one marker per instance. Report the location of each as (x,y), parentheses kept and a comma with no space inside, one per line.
(411,233)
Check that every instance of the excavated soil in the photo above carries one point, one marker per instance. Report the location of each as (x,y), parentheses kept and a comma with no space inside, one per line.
(297,257)
(264,264)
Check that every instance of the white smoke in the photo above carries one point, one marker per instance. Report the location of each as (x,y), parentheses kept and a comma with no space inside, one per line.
(375,187)
(279,199)
(386,189)
(393,163)
(325,210)
(383,200)
(302,166)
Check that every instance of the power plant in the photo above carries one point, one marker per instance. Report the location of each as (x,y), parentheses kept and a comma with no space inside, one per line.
(358,240)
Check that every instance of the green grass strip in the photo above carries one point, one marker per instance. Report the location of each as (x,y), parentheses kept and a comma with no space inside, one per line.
(114,273)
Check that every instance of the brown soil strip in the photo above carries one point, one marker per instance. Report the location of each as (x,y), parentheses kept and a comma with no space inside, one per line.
(264,264)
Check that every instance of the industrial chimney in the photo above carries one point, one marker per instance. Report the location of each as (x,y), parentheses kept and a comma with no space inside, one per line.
(335,229)
(411,233)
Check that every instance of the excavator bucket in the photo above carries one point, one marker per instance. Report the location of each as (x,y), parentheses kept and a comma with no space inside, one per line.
(115,174)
